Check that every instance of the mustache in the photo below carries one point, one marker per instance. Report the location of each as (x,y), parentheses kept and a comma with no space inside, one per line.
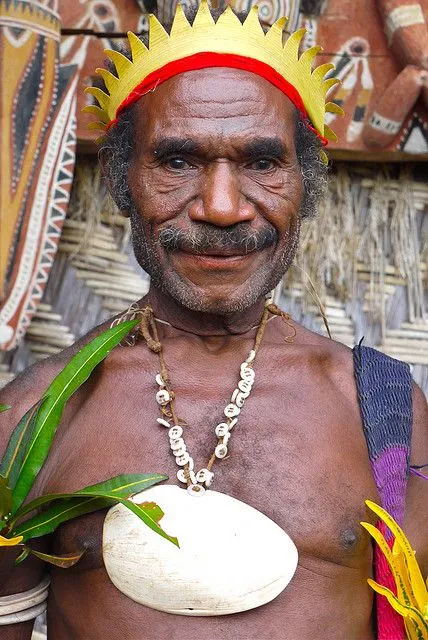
(203,236)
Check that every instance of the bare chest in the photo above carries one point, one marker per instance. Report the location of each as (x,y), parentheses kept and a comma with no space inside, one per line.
(296,454)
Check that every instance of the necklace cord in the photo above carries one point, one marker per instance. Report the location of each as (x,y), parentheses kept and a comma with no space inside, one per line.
(155,345)
(149,332)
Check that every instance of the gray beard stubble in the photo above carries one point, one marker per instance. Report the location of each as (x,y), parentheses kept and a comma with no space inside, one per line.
(172,238)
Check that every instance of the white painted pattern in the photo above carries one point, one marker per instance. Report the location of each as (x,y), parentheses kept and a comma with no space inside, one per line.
(386,125)
(404,16)
(272,10)
(22,285)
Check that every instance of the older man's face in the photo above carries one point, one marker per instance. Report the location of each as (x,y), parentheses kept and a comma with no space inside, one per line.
(216,188)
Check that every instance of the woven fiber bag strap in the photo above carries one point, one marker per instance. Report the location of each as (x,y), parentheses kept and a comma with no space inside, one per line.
(384,387)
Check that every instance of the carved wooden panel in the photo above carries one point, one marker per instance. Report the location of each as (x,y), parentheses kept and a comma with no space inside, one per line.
(351,33)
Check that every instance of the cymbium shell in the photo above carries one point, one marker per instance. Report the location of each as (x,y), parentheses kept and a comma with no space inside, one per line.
(231,557)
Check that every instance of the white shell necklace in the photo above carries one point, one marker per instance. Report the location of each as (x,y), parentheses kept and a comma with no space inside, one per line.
(198,481)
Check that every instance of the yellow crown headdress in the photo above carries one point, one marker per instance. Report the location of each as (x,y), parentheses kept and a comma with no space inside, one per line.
(226,43)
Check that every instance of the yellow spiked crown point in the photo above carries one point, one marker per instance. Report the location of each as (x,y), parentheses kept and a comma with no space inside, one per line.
(275,60)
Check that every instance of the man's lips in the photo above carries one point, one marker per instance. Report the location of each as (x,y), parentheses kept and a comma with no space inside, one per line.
(218,253)
(213,259)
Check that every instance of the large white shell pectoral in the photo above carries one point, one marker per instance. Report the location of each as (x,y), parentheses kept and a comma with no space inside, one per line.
(231,557)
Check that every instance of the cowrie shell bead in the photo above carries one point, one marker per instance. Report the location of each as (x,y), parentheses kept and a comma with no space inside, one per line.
(175,432)
(245,386)
(159,380)
(162,396)
(221,429)
(221,451)
(240,399)
(234,394)
(163,422)
(182,476)
(202,475)
(182,460)
(209,480)
(226,438)
(251,356)
(177,444)
(232,423)
(247,374)
(180,452)
(205,476)
(231,411)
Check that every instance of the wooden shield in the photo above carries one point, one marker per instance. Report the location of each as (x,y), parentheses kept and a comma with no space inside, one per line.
(37,154)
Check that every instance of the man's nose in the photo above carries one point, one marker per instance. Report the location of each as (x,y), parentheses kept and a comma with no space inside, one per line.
(221,202)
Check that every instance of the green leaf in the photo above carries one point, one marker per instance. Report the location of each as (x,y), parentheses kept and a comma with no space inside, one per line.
(24,554)
(49,520)
(149,516)
(123,486)
(4,407)
(18,445)
(64,561)
(153,509)
(88,500)
(62,511)
(5,497)
(74,374)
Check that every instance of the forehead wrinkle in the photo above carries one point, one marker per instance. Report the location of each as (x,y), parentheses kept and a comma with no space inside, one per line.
(182,116)
(194,112)
(212,118)
(232,81)
(229,100)
(212,108)
(223,89)
(215,133)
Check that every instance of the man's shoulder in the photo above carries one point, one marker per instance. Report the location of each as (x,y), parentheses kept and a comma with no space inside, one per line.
(339,357)
(334,356)
(28,387)
(35,377)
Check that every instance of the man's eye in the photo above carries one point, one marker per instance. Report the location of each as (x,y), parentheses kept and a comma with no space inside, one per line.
(177,163)
(264,164)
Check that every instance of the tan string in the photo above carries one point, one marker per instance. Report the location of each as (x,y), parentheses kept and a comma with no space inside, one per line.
(147,323)
(276,311)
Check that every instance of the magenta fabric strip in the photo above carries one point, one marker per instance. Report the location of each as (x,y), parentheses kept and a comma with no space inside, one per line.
(390,623)
(390,473)
(391,479)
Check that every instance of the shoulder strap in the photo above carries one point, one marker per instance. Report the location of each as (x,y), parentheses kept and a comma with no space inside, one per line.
(384,387)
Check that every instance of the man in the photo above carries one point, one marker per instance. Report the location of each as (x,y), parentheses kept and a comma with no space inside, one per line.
(216,167)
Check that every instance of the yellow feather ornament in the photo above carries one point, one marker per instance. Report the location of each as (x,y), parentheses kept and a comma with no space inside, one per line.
(226,36)
(411,601)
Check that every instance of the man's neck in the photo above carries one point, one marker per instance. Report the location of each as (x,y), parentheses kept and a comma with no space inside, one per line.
(200,323)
